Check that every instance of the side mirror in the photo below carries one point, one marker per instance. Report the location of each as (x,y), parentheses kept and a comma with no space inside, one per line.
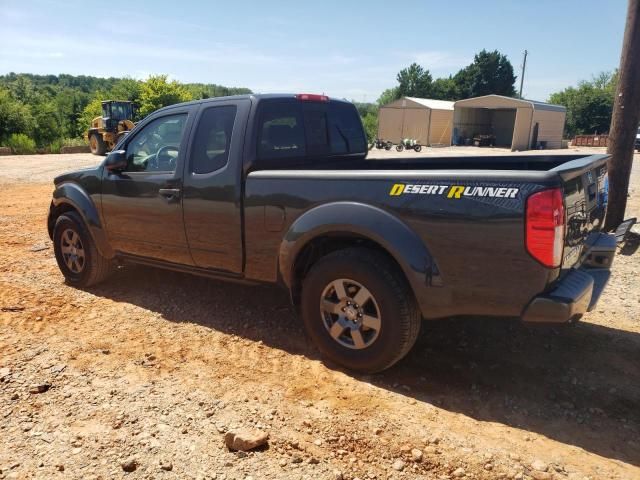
(116,161)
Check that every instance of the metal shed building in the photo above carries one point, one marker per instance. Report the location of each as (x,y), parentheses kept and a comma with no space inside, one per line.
(422,119)
(516,123)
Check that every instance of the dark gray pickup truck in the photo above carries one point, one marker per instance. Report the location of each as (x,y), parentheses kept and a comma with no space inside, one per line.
(279,189)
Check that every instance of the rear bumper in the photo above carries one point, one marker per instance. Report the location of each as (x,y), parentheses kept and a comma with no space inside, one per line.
(579,290)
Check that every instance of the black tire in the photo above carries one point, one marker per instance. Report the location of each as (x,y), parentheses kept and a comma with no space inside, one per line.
(93,268)
(399,147)
(97,145)
(417,148)
(388,146)
(399,317)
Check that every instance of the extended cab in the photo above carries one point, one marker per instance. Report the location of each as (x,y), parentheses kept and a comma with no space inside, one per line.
(279,189)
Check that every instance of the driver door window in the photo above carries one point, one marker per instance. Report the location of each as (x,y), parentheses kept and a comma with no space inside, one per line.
(157,146)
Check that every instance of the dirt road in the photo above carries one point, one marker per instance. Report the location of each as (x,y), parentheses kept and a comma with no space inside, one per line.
(147,371)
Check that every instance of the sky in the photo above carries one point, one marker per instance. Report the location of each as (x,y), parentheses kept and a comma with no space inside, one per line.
(346,49)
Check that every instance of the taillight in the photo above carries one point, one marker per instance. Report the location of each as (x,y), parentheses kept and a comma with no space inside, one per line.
(545,227)
(312,97)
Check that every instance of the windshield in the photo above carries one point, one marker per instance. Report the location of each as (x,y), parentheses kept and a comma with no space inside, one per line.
(121,111)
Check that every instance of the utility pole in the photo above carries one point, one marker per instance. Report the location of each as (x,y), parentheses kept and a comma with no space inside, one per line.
(624,122)
(524,65)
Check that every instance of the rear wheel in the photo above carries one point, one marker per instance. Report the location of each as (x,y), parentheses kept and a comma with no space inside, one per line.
(399,147)
(97,145)
(76,254)
(388,146)
(359,310)
(417,148)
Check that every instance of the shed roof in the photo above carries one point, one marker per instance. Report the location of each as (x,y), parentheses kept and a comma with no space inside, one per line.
(500,101)
(423,102)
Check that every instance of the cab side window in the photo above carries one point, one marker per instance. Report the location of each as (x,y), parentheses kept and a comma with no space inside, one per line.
(281,131)
(213,139)
(157,146)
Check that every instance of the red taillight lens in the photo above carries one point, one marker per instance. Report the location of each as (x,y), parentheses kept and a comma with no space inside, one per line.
(545,227)
(312,97)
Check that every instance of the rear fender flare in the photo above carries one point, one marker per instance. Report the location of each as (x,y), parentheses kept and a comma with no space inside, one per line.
(74,196)
(367,221)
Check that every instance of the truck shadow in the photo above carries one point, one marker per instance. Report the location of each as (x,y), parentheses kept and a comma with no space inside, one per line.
(579,384)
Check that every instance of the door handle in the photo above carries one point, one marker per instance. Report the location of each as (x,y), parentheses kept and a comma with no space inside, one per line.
(171,194)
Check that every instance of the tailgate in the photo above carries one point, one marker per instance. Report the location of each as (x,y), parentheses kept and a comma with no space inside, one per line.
(585,187)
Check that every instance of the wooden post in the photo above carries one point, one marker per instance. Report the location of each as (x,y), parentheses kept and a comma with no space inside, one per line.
(626,115)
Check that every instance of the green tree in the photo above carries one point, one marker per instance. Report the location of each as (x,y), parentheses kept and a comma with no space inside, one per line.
(126,89)
(589,105)
(48,126)
(490,73)
(157,92)
(370,124)
(388,96)
(414,81)
(15,117)
(445,89)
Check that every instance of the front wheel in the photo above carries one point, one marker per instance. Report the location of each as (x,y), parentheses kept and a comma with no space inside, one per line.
(417,148)
(399,147)
(359,310)
(77,256)
(97,145)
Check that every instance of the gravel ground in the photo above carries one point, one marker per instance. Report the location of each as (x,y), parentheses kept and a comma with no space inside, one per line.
(142,376)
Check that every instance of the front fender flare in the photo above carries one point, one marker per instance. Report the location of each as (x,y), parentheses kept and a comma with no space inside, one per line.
(74,196)
(365,221)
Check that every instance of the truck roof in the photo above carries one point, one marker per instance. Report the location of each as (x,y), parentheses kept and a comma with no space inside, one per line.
(253,96)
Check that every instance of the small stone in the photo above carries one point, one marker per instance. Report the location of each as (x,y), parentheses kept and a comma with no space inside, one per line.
(60,467)
(317,442)
(416,454)
(488,466)
(129,465)
(296,458)
(283,462)
(539,465)
(4,373)
(313,461)
(166,465)
(39,387)
(337,475)
(15,396)
(398,465)
(538,475)
(459,473)
(245,439)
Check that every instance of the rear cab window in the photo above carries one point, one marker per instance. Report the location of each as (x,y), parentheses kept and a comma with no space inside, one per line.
(293,129)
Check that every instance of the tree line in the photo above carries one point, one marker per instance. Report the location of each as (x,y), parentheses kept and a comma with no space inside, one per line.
(589,104)
(49,111)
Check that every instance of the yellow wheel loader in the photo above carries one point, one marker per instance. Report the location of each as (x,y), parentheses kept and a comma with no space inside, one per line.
(115,122)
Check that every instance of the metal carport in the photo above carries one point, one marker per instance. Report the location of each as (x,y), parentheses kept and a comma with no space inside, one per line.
(428,121)
(516,123)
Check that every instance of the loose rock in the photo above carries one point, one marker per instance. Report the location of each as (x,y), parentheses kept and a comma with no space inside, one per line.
(416,455)
(245,439)
(398,465)
(459,472)
(39,387)
(129,465)
(539,465)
